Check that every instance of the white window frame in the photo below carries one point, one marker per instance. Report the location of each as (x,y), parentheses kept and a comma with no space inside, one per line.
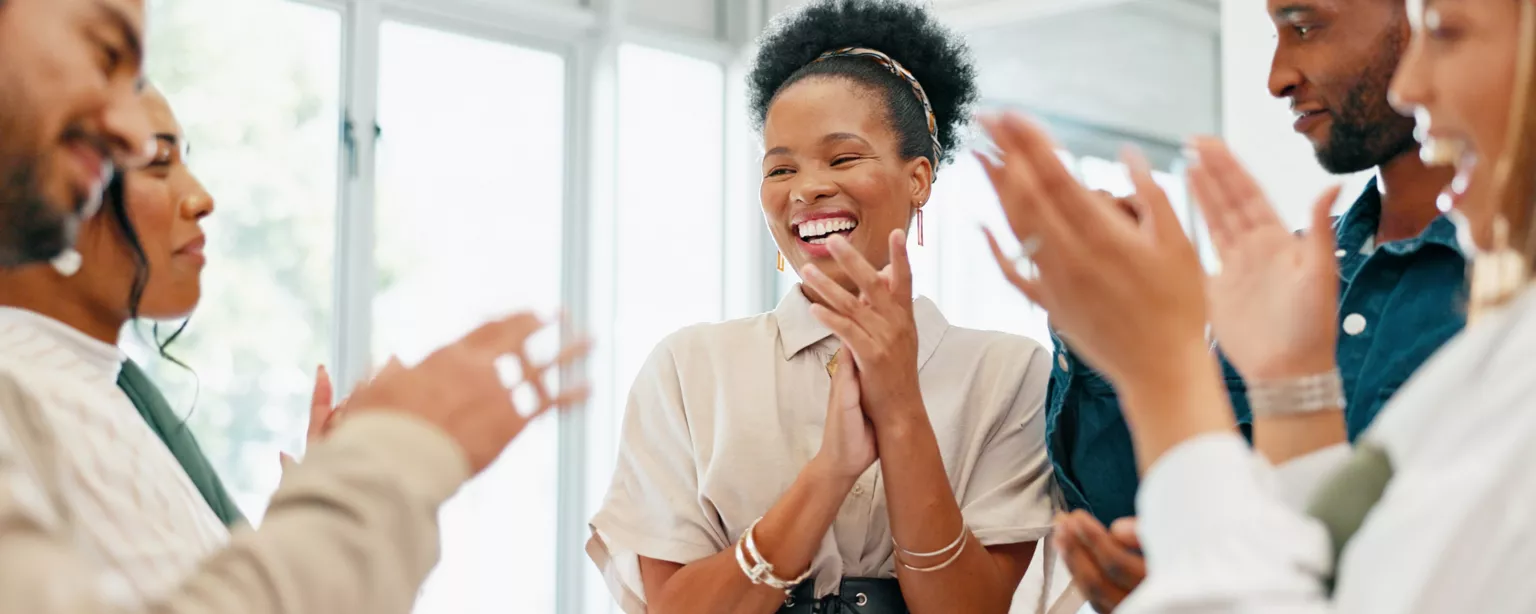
(588,36)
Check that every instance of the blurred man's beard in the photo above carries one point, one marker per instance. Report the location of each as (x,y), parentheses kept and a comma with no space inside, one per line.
(31,229)
(1359,140)
(1366,132)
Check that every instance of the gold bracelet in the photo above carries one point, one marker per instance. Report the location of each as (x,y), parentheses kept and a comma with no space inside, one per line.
(964,530)
(946,563)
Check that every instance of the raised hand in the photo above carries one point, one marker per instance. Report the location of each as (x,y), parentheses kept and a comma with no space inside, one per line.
(848,444)
(1128,290)
(1274,302)
(321,412)
(877,326)
(459,389)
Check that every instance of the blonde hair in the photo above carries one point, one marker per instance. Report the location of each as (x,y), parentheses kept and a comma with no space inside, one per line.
(1501,273)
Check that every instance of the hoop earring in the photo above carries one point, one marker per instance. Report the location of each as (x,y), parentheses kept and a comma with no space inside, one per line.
(781,262)
(919,226)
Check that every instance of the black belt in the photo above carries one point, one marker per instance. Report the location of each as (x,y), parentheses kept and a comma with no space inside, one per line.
(854,596)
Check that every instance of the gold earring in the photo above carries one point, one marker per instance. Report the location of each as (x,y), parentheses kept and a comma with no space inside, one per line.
(919,227)
(781,262)
(1499,273)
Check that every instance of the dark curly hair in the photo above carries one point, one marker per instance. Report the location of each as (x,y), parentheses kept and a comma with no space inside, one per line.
(938,58)
(114,204)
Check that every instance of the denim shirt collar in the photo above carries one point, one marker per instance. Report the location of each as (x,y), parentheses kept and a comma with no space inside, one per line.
(1359,225)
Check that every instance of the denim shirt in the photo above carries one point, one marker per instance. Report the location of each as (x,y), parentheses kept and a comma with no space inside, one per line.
(1397,305)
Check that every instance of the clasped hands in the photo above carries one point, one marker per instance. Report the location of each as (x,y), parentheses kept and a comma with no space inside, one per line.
(875,385)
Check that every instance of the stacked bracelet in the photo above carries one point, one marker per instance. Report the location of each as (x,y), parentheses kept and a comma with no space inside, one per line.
(957,546)
(757,568)
(1300,395)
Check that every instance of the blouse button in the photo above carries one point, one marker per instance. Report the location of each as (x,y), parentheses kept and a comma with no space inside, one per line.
(1340,253)
(1354,324)
(858,489)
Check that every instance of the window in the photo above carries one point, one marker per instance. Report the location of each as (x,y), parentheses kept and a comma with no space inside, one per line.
(669,233)
(664,263)
(469,217)
(256,87)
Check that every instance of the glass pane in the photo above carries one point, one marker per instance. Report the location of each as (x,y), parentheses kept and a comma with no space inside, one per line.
(470,200)
(972,292)
(256,87)
(1101,174)
(669,246)
(695,17)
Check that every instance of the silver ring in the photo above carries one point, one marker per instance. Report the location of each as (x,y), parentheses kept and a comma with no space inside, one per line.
(1030,246)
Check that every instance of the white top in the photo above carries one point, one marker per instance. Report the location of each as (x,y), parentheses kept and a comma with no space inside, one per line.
(138,513)
(1455,530)
(723,417)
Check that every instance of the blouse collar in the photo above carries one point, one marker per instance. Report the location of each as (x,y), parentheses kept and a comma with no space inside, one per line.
(799,330)
(43,342)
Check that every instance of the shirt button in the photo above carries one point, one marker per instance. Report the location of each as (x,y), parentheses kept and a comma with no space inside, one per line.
(1061,360)
(1340,253)
(858,490)
(1354,324)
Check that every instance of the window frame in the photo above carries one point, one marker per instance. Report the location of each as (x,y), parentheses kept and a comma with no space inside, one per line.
(588,35)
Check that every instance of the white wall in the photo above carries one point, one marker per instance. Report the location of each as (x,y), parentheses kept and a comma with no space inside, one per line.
(1258,126)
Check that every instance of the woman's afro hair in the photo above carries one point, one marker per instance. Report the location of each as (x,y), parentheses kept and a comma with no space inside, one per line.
(906,32)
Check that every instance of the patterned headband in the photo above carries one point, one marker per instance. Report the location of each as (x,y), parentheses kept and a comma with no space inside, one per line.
(901,71)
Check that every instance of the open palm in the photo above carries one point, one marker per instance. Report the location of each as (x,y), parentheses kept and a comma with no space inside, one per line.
(1274,301)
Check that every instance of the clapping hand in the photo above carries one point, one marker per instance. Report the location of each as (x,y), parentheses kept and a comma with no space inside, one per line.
(1274,302)
(459,389)
(324,411)
(848,444)
(1127,289)
(877,327)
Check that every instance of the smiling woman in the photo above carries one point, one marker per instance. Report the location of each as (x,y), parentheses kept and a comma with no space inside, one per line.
(142,257)
(735,491)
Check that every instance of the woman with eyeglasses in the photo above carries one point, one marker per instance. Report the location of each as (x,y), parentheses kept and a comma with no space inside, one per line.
(1431,511)
(850,449)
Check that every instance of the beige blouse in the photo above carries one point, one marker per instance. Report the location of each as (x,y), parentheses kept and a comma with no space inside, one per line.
(723,417)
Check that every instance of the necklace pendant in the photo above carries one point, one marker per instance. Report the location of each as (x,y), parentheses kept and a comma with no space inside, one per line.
(832,364)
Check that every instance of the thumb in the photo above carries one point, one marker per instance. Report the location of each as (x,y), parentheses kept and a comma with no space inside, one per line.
(320,403)
(848,374)
(1321,232)
(1124,531)
(391,367)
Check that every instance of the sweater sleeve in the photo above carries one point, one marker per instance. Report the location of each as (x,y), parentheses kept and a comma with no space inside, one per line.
(352,529)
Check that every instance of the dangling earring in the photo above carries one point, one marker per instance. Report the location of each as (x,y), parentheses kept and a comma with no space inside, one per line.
(1499,273)
(919,226)
(67,263)
(781,262)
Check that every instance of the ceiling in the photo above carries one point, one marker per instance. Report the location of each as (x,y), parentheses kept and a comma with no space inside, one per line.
(984,14)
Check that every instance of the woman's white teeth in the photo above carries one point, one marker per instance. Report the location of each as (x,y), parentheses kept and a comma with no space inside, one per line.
(1441,152)
(816,231)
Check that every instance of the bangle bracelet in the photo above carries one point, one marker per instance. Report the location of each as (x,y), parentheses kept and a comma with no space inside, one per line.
(946,563)
(1299,395)
(941,551)
(761,571)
